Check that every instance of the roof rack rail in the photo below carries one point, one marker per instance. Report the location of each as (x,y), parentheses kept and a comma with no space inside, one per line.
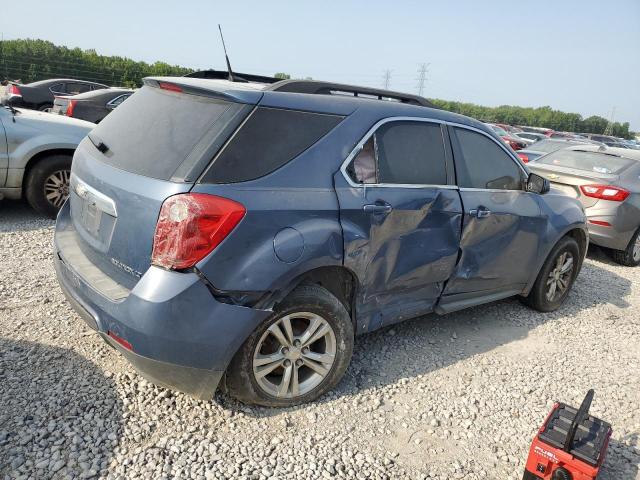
(330,88)
(224,75)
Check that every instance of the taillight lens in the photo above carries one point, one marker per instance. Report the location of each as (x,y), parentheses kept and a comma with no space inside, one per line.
(14,90)
(70,106)
(605,192)
(523,157)
(190,226)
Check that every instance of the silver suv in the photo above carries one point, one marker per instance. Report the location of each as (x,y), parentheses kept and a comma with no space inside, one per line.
(36,149)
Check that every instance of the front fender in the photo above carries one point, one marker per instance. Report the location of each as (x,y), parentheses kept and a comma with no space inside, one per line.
(564,214)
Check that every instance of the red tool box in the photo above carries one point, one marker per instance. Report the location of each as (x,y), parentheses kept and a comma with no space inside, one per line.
(570,445)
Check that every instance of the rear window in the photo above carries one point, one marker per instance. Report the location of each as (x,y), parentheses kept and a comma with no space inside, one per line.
(548,146)
(587,161)
(155,131)
(269,139)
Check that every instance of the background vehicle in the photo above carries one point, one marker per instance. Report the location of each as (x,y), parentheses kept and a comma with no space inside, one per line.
(542,147)
(35,156)
(534,137)
(39,95)
(514,142)
(237,237)
(91,106)
(606,139)
(607,182)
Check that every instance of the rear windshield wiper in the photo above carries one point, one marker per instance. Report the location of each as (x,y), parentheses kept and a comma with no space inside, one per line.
(99,144)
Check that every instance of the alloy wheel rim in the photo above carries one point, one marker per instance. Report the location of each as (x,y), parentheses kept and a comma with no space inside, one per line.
(294,355)
(559,278)
(56,188)
(636,249)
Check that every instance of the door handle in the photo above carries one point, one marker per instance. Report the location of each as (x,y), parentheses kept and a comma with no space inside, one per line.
(377,208)
(480,213)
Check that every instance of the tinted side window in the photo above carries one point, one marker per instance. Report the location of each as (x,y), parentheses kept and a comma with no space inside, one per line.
(410,153)
(269,139)
(75,88)
(481,163)
(57,88)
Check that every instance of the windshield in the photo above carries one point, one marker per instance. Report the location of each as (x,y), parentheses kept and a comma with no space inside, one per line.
(587,161)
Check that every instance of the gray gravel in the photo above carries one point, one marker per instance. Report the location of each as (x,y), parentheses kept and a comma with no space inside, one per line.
(459,396)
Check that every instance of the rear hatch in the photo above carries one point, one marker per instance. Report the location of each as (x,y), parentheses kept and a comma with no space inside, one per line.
(155,145)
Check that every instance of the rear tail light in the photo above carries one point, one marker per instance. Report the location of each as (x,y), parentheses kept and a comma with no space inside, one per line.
(14,90)
(191,226)
(70,106)
(605,192)
(523,157)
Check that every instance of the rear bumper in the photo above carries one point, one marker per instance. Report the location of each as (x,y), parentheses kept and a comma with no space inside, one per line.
(182,338)
(615,236)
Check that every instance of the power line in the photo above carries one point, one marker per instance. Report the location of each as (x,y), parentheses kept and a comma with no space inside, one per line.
(422,77)
(386,79)
(609,129)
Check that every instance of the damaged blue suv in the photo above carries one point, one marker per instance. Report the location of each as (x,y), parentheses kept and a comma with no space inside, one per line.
(239,235)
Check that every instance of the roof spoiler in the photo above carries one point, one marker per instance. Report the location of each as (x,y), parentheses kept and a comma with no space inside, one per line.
(330,88)
(242,77)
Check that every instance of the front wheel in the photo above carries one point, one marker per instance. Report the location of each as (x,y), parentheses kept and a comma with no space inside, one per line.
(556,277)
(297,355)
(630,257)
(47,184)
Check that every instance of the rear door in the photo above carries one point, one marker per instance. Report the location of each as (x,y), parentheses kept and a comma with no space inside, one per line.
(502,222)
(401,217)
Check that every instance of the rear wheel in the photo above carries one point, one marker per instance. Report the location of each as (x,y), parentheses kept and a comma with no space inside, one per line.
(630,257)
(297,355)
(46,107)
(556,277)
(47,184)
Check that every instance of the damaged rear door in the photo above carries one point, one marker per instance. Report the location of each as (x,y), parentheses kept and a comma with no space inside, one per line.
(401,219)
(502,224)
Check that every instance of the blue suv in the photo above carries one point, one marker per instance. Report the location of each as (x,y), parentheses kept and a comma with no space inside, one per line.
(239,235)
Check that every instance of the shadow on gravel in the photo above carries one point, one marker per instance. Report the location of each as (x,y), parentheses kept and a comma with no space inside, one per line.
(623,461)
(60,417)
(18,216)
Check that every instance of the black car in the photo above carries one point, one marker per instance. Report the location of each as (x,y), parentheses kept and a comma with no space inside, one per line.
(39,95)
(91,106)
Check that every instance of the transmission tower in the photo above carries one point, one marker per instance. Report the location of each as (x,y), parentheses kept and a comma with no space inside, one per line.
(422,77)
(386,79)
(609,129)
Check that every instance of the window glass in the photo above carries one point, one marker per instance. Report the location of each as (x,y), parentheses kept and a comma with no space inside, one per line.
(75,88)
(269,139)
(410,153)
(363,167)
(483,164)
(58,88)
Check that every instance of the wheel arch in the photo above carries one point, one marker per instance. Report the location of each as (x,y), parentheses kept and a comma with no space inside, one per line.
(337,279)
(39,156)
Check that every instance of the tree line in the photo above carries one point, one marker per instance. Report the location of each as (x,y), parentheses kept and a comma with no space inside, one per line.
(31,60)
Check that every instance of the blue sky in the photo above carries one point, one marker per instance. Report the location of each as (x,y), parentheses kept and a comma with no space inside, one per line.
(579,56)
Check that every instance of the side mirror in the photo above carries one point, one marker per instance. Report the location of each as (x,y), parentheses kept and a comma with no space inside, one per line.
(537,184)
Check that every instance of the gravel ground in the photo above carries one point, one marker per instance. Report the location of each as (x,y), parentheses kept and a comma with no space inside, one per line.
(459,396)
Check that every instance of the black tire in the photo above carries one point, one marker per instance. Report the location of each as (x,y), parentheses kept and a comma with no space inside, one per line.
(45,107)
(625,257)
(537,298)
(37,176)
(240,379)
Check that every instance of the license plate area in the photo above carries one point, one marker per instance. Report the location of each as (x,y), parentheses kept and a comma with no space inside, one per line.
(91,217)
(93,213)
